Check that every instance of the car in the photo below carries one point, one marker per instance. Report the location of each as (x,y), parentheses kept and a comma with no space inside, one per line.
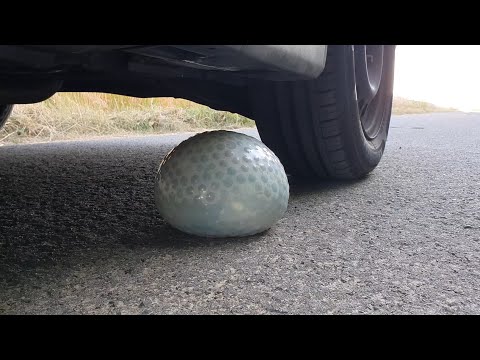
(324,110)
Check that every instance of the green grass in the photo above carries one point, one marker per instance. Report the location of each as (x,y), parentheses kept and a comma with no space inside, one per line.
(84,115)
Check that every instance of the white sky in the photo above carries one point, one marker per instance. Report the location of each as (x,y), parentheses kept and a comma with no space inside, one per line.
(445,75)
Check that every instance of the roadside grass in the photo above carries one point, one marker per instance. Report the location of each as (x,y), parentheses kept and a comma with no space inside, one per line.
(83,115)
(402,106)
(78,115)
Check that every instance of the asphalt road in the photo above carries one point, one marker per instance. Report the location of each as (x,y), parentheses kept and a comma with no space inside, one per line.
(79,234)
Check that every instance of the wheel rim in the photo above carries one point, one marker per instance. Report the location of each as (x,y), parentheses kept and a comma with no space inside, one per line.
(368,76)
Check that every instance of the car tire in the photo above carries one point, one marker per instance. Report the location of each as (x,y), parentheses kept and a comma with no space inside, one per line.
(335,126)
(5,111)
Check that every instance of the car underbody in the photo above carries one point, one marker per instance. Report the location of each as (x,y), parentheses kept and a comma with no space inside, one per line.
(323,110)
(214,75)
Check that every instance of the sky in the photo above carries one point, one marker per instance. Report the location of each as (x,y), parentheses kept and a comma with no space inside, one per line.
(445,75)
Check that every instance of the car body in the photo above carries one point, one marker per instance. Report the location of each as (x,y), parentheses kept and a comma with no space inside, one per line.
(295,93)
(33,73)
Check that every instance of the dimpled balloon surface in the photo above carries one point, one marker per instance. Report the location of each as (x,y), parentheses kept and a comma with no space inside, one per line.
(220,184)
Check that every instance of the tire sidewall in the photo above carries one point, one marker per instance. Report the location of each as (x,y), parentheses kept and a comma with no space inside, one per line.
(367,152)
(5,111)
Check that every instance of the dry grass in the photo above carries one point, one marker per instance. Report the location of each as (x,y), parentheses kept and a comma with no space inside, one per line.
(403,106)
(80,115)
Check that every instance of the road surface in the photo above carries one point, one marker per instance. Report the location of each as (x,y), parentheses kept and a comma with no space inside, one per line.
(79,234)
